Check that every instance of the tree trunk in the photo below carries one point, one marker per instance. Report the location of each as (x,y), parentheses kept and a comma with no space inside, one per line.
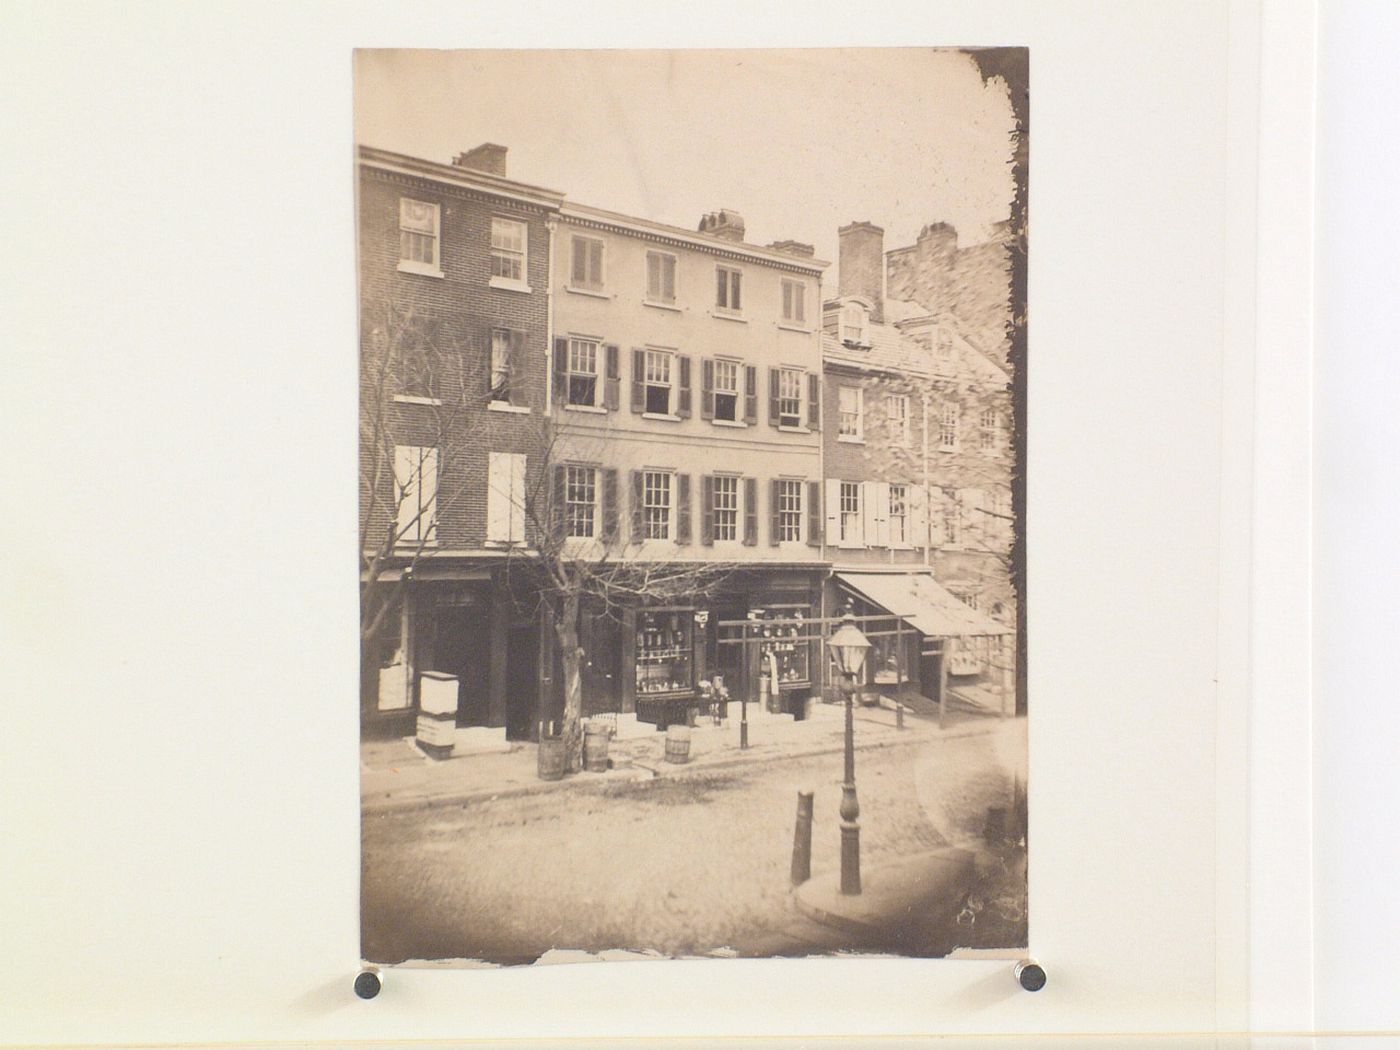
(566,629)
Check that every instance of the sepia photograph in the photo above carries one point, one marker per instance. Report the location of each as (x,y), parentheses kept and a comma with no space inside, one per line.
(692,431)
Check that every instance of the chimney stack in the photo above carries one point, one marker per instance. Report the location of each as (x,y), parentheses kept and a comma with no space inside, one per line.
(726,224)
(862,265)
(487,157)
(794,248)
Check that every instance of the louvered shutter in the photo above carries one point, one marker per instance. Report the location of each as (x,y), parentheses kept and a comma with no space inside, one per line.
(775,506)
(682,508)
(750,394)
(880,491)
(918,516)
(833,513)
(707,388)
(870,525)
(499,468)
(559,511)
(609,529)
(561,370)
(639,365)
(637,531)
(750,512)
(707,509)
(774,402)
(683,394)
(814,513)
(613,377)
(814,400)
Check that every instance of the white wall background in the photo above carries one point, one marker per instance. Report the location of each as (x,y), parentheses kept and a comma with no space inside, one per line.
(178,780)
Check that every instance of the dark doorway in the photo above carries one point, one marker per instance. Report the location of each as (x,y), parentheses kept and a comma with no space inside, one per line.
(522,681)
(929,677)
(460,648)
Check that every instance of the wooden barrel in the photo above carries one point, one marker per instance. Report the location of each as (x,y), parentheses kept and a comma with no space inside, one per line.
(551,758)
(595,748)
(677,743)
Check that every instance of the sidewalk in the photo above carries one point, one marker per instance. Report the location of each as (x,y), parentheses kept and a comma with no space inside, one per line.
(396,775)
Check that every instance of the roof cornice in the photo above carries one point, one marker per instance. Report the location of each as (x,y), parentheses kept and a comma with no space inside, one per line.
(459,177)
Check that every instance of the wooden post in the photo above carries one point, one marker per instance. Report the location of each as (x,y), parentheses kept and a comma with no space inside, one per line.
(898,672)
(408,636)
(945,654)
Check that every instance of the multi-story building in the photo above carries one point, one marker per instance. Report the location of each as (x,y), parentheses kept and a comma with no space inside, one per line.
(454,345)
(687,395)
(917,481)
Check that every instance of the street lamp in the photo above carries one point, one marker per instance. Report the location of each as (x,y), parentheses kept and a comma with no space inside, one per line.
(848,648)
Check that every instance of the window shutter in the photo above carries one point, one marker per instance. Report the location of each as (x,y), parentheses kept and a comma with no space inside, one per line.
(683,396)
(498,478)
(578,271)
(707,388)
(774,404)
(775,522)
(668,277)
(639,366)
(516,365)
(405,492)
(918,516)
(561,370)
(833,512)
(880,498)
(814,513)
(682,508)
(595,262)
(750,512)
(869,520)
(814,400)
(613,377)
(488,358)
(517,497)
(609,530)
(559,511)
(637,532)
(750,394)
(707,509)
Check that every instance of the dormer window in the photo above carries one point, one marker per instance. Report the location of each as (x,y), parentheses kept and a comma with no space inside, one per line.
(853,323)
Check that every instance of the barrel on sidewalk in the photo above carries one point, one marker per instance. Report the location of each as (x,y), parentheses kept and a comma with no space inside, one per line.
(677,743)
(595,747)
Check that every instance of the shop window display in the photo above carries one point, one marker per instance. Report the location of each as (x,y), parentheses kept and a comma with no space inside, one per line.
(786,643)
(665,652)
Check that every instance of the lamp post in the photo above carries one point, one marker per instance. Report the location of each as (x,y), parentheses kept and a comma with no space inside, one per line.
(848,648)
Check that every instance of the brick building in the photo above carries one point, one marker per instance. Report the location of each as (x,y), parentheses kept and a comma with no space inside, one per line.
(454,354)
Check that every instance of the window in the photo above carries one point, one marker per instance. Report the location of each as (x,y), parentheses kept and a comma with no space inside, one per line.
(850,512)
(508,249)
(415,494)
(952,520)
(968,598)
(418,236)
(500,364)
(661,277)
(658,382)
(586,266)
(899,504)
(505,497)
(794,302)
(726,509)
(790,511)
(583,372)
(728,286)
(790,397)
(897,415)
(727,390)
(581,501)
(656,504)
(948,427)
(991,430)
(853,323)
(850,404)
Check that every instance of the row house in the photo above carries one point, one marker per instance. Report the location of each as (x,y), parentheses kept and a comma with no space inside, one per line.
(687,395)
(917,482)
(454,360)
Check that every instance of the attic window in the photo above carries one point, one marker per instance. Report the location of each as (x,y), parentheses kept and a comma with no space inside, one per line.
(853,323)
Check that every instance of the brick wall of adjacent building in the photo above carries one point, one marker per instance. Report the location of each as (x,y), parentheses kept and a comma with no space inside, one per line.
(972,283)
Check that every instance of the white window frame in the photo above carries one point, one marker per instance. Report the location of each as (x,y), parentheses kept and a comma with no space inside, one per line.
(899,498)
(726,530)
(500,253)
(428,268)
(948,420)
(843,433)
(576,347)
(580,482)
(852,517)
(722,365)
(854,332)
(791,388)
(733,290)
(589,281)
(657,526)
(794,308)
(790,510)
(990,421)
(661,298)
(662,365)
(903,433)
(500,365)
(416,470)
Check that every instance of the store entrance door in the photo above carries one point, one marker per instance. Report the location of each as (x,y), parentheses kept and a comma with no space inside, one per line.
(522,681)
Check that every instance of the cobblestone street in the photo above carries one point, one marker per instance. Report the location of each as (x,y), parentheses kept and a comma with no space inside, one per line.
(679,865)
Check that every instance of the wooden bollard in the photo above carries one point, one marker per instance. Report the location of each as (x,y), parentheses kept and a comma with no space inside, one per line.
(802,840)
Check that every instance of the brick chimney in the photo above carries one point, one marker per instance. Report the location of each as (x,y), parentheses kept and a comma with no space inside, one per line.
(862,265)
(726,224)
(487,157)
(795,248)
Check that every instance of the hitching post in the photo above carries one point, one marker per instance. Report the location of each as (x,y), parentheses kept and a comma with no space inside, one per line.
(802,840)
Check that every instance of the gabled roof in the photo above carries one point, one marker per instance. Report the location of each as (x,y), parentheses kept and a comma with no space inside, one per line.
(890,351)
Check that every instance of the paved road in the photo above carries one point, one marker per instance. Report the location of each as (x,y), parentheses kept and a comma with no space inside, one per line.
(691,866)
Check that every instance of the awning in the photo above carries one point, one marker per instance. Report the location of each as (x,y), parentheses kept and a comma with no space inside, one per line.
(919,600)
